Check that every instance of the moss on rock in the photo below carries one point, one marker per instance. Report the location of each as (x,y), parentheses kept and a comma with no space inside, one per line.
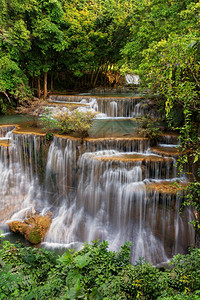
(35,236)
(33,228)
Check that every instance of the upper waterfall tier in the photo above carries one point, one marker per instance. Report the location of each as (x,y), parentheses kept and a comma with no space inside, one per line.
(5,130)
(167,150)
(169,139)
(110,106)
(113,107)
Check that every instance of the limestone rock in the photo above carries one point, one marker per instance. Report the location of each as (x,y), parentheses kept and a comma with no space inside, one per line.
(33,228)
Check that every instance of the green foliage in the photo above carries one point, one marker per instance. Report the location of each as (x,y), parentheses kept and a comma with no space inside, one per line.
(47,122)
(94,273)
(75,121)
(109,274)
(143,281)
(13,83)
(22,270)
(49,136)
(10,283)
(147,128)
(64,37)
(192,192)
(185,275)
(164,49)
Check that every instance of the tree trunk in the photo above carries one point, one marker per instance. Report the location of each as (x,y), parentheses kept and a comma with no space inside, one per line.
(96,77)
(92,77)
(39,88)
(45,85)
(32,82)
(51,82)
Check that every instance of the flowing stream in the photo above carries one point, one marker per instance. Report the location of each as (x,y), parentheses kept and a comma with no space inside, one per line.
(99,188)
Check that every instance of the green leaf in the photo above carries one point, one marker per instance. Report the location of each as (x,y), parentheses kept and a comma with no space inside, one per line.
(82,261)
(196,158)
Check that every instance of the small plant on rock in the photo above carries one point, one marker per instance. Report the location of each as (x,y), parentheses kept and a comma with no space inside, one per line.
(148,128)
(75,121)
(48,123)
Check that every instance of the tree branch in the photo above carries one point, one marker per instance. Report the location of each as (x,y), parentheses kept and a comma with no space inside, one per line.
(7,96)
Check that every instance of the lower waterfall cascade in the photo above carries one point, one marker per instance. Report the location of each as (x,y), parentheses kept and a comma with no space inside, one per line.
(96,188)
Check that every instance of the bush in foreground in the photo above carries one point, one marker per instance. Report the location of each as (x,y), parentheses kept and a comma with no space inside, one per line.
(93,273)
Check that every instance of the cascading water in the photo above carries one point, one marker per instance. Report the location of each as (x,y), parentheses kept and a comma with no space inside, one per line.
(19,179)
(97,188)
(110,201)
(108,106)
(113,109)
(132,79)
(6,131)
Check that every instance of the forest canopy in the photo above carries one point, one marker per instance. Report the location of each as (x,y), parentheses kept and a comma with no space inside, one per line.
(62,41)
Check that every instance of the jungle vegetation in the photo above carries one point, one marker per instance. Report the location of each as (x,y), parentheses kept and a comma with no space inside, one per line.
(94,273)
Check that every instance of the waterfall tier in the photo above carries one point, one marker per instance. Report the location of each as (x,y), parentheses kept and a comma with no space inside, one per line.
(113,188)
(111,106)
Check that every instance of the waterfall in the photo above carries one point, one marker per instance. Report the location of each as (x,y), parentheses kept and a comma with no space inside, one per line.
(109,200)
(132,79)
(19,179)
(5,131)
(110,106)
(116,189)
(137,110)
(113,109)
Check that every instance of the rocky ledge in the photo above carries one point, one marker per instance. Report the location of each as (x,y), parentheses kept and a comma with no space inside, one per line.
(167,187)
(34,228)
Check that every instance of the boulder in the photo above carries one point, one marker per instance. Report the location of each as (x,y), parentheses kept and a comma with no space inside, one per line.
(34,228)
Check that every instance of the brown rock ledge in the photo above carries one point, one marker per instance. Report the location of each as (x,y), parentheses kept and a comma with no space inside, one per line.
(166,187)
(34,228)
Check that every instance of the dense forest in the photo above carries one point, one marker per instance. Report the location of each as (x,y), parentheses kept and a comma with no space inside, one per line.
(63,46)
(73,44)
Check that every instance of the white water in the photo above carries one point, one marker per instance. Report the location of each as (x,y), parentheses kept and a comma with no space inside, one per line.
(105,107)
(94,194)
(19,186)
(113,108)
(132,79)
(111,202)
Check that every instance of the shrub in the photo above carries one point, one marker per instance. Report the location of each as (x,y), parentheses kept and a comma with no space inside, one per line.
(76,122)
(48,122)
(94,272)
(185,273)
(143,281)
(147,128)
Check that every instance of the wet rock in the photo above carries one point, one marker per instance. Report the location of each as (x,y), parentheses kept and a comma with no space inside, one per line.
(33,228)
(167,151)
(5,143)
(166,187)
